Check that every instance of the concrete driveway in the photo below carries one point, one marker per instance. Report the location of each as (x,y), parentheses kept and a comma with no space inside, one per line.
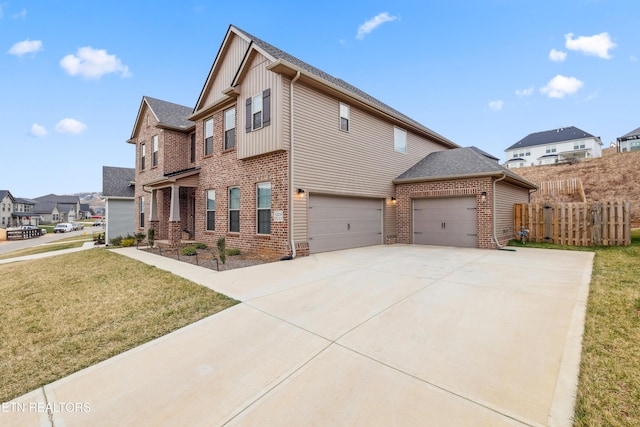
(386,335)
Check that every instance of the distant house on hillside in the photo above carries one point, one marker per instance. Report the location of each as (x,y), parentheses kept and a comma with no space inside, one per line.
(629,142)
(553,146)
(118,189)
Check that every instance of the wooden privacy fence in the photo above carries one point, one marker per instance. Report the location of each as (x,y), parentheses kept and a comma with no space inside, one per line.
(576,224)
(564,187)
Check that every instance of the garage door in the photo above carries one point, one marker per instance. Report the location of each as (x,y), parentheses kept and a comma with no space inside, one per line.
(447,221)
(343,222)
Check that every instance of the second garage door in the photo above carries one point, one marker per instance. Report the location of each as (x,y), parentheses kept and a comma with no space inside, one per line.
(343,222)
(446,221)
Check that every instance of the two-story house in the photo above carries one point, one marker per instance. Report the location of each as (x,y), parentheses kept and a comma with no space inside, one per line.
(553,146)
(7,203)
(55,208)
(278,155)
(629,141)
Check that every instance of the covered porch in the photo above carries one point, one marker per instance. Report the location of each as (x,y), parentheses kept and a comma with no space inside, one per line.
(172,208)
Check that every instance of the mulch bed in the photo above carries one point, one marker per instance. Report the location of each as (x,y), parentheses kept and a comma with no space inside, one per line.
(207,258)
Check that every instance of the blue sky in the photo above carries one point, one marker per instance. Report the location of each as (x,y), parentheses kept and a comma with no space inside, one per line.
(484,73)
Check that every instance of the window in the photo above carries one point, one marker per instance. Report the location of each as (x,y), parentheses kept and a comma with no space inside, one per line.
(234,209)
(258,111)
(143,153)
(193,147)
(578,145)
(229,128)
(141,212)
(211,210)
(154,150)
(344,117)
(551,149)
(400,140)
(208,137)
(264,208)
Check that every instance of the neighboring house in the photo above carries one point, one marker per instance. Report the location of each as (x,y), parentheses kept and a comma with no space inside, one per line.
(553,146)
(629,141)
(118,189)
(68,206)
(25,212)
(48,212)
(7,203)
(278,155)
(85,211)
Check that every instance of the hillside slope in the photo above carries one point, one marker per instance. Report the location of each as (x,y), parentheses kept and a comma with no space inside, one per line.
(615,177)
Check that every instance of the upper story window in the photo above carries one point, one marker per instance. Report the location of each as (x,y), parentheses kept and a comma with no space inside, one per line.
(154,150)
(192,148)
(399,140)
(258,111)
(550,149)
(344,117)
(208,136)
(264,208)
(143,154)
(230,128)
(578,145)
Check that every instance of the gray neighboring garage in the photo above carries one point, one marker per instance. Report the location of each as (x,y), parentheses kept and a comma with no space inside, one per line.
(458,197)
(337,222)
(118,190)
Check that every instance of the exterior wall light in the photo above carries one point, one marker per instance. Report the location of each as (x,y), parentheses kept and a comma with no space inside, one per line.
(483,196)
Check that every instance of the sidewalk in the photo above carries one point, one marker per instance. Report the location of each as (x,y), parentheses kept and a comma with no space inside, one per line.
(86,245)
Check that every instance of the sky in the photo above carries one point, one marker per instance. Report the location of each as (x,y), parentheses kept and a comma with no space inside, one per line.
(485,72)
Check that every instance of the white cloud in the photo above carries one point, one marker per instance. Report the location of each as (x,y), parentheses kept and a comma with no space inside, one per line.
(22,14)
(26,46)
(496,105)
(93,63)
(525,92)
(598,45)
(557,55)
(38,130)
(70,126)
(374,23)
(560,86)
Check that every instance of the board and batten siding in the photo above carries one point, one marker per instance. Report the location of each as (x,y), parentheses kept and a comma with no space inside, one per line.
(226,71)
(506,196)
(361,162)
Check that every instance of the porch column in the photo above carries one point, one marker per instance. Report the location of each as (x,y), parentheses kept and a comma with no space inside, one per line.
(154,206)
(174,214)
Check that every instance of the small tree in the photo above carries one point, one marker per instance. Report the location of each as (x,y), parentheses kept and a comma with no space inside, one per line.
(139,238)
(151,234)
(222,249)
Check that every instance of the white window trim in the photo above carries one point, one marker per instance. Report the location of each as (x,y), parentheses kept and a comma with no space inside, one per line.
(258,208)
(207,121)
(207,210)
(399,133)
(345,113)
(230,210)
(255,110)
(229,125)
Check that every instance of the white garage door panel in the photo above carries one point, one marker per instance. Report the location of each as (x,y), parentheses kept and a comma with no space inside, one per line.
(447,221)
(342,222)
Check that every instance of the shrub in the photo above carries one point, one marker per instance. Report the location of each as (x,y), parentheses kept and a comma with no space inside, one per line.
(200,246)
(139,237)
(233,251)
(151,234)
(222,249)
(189,251)
(125,243)
(116,241)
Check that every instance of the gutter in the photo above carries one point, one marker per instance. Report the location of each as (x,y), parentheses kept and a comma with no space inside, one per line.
(291,163)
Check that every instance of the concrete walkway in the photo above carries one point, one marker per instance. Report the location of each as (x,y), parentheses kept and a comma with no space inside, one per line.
(385,335)
(85,245)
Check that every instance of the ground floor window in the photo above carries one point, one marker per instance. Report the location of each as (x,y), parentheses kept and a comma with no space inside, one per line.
(264,208)
(234,209)
(211,209)
(141,212)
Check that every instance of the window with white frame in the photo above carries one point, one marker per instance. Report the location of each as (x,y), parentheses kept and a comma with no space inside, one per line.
(154,150)
(230,128)
(141,212)
(234,209)
(344,117)
(143,154)
(264,207)
(551,149)
(399,140)
(211,210)
(258,111)
(208,136)
(578,145)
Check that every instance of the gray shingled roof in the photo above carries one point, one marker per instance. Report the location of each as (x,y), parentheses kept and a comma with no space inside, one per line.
(280,54)
(634,134)
(58,199)
(551,136)
(458,162)
(25,201)
(116,182)
(3,194)
(170,114)
(44,207)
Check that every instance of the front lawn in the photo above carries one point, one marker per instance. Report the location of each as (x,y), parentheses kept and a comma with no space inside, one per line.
(609,382)
(67,312)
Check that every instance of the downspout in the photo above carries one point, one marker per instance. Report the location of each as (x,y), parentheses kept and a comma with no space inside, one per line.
(291,163)
(493,212)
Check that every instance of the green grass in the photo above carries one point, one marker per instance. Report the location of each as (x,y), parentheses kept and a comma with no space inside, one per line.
(64,313)
(609,382)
